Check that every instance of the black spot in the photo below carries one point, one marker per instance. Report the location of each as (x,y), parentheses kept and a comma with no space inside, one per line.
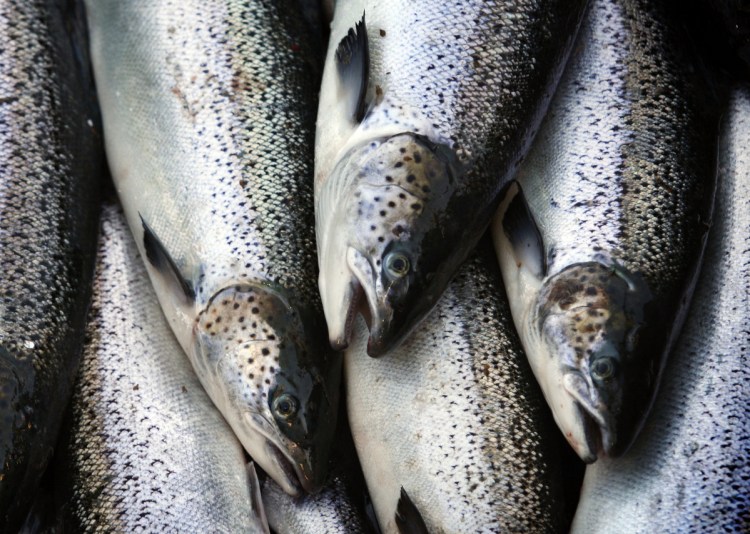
(416,206)
(265,352)
(399,164)
(391,204)
(255,310)
(417,157)
(591,290)
(411,178)
(382,213)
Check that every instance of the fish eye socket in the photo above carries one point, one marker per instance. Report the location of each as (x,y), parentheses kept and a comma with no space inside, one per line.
(396,265)
(285,406)
(603,368)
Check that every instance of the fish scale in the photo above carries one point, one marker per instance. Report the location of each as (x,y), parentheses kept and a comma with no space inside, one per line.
(690,469)
(467,84)
(145,449)
(454,417)
(602,234)
(208,111)
(51,161)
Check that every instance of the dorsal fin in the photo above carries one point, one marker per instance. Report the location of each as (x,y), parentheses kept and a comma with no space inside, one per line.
(522,232)
(353,62)
(408,518)
(161,260)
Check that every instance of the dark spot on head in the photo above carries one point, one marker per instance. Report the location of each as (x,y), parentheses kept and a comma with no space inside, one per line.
(591,290)
(411,178)
(255,310)
(382,213)
(399,164)
(236,305)
(417,157)
(391,204)
(416,206)
(265,352)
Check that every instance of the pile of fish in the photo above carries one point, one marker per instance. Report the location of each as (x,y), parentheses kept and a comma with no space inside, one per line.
(413,283)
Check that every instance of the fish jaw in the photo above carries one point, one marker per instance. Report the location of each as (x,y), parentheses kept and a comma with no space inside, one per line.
(275,382)
(383,218)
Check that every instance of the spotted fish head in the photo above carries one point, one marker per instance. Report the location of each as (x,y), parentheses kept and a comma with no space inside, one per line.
(383,239)
(256,354)
(593,324)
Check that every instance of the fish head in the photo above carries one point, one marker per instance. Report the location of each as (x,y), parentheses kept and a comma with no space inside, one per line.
(260,365)
(598,380)
(384,238)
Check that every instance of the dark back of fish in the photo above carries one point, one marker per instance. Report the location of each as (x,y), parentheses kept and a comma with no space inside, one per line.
(49,165)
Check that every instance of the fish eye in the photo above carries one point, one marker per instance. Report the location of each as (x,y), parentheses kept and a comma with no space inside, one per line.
(396,265)
(603,368)
(285,406)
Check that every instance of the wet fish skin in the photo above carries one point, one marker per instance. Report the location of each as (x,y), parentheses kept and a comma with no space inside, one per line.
(208,111)
(601,243)
(146,448)
(453,417)
(690,468)
(454,94)
(50,163)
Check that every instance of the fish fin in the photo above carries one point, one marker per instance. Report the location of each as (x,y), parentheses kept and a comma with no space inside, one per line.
(161,260)
(255,497)
(353,62)
(408,518)
(522,232)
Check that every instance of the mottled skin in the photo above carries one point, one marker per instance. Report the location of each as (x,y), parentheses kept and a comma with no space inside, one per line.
(146,450)
(208,111)
(50,160)
(620,184)
(455,92)
(454,417)
(690,469)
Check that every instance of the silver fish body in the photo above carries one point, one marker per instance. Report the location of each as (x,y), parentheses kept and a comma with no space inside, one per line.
(425,109)
(333,510)
(601,237)
(50,165)
(453,417)
(146,450)
(689,470)
(208,111)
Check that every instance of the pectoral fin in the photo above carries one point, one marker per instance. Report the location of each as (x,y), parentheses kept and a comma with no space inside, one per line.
(160,259)
(523,234)
(353,62)
(408,518)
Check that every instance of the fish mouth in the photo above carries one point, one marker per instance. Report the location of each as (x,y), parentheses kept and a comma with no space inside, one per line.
(592,433)
(294,479)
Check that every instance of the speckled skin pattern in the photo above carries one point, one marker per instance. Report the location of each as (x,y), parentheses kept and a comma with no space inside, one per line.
(208,111)
(50,162)
(146,450)
(468,83)
(690,469)
(621,178)
(454,416)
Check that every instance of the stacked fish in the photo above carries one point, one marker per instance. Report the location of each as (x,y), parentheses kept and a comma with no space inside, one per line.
(474,383)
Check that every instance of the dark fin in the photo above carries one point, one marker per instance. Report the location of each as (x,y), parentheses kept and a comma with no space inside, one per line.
(256,501)
(353,60)
(408,518)
(522,232)
(161,260)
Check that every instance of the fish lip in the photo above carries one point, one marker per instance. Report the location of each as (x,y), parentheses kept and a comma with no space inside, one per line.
(376,315)
(598,429)
(342,342)
(295,477)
